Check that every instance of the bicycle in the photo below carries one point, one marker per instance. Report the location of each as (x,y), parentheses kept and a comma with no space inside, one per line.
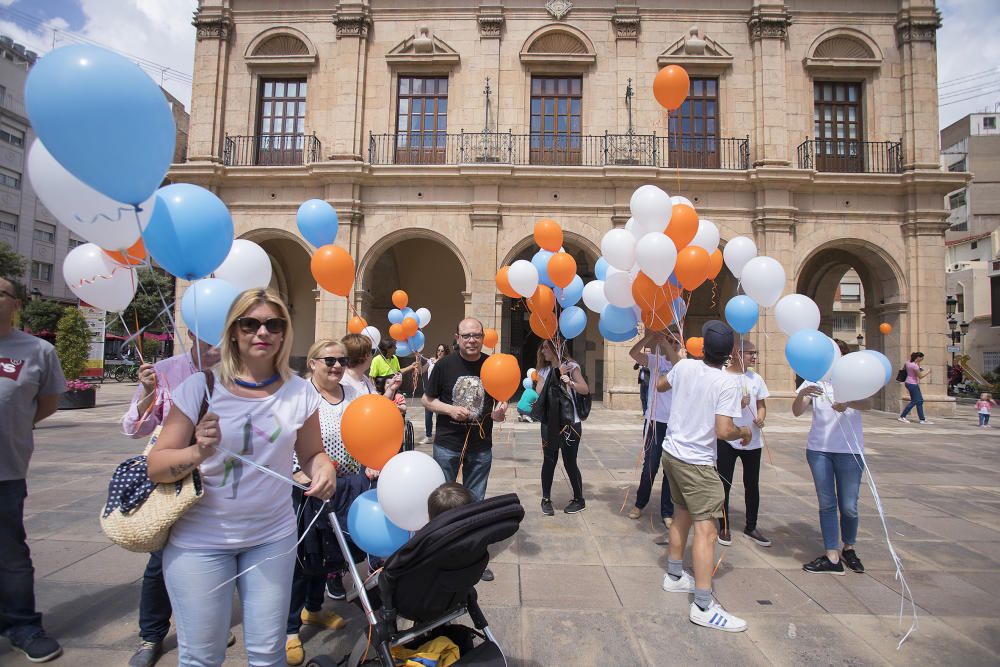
(127,372)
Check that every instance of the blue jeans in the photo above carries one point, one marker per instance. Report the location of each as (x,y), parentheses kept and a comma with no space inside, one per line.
(154,603)
(203,618)
(428,422)
(18,618)
(475,468)
(916,401)
(837,477)
(653,444)
(984,419)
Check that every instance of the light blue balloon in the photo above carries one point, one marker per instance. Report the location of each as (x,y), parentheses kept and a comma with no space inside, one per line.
(679,308)
(403,349)
(409,312)
(618,320)
(673,280)
(541,263)
(616,337)
(103,119)
(809,353)
(417,341)
(371,529)
(190,232)
(205,306)
(317,221)
(571,294)
(527,383)
(885,364)
(601,268)
(395,316)
(742,313)
(572,322)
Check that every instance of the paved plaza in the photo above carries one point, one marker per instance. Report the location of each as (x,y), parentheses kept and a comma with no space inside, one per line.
(585,589)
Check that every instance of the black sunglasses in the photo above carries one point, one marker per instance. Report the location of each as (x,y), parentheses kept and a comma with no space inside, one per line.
(331,361)
(249,325)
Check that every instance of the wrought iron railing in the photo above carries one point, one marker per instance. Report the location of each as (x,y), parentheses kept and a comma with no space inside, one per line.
(851,156)
(705,152)
(271,150)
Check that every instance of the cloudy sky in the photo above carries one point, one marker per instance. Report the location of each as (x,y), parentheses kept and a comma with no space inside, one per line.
(160,33)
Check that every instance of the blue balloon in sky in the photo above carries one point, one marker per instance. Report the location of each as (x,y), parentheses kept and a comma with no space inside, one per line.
(572,322)
(395,316)
(616,337)
(618,320)
(541,263)
(103,119)
(571,294)
(885,364)
(371,529)
(204,308)
(809,353)
(601,268)
(317,221)
(190,232)
(742,313)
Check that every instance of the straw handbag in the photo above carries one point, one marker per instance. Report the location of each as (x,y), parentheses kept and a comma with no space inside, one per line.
(139,513)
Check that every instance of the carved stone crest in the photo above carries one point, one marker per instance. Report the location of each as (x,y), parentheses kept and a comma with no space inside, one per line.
(214,28)
(626,26)
(768,25)
(558,8)
(490,26)
(913,29)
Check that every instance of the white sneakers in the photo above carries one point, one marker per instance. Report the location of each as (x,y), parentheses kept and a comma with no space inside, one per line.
(716,618)
(903,419)
(426,440)
(683,585)
(926,423)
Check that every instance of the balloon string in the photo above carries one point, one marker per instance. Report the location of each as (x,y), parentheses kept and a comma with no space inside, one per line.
(713,293)
(96,277)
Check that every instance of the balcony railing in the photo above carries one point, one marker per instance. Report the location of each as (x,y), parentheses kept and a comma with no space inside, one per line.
(557,150)
(271,150)
(851,156)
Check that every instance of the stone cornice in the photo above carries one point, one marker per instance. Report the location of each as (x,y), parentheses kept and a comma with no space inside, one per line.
(911,28)
(352,20)
(213,26)
(491,220)
(619,220)
(768,24)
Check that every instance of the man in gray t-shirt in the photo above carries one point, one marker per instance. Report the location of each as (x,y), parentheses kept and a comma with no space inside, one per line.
(30,383)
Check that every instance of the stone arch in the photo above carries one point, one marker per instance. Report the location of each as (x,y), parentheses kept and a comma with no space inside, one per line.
(378,248)
(844,44)
(281,41)
(558,43)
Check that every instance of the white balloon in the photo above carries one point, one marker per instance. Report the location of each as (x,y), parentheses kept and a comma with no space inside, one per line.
(632,227)
(423,317)
(795,312)
(856,376)
(96,279)
(650,206)
(763,280)
(836,355)
(618,289)
(656,256)
(677,199)
(247,266)
(373,335)
(593,296)
(738,252)
(86,212)
(618,248)
(529,373)
(523,277)
(707,236)
(404,485)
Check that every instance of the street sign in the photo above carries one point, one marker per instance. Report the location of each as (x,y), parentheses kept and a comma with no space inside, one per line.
(954,349)
(95,318)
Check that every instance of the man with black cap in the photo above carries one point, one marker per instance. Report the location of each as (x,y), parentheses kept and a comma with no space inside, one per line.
(705,401)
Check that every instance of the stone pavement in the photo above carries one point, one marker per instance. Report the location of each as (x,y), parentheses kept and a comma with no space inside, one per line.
(585,589)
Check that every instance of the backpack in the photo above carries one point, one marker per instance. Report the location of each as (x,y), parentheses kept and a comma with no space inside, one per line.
(901,375)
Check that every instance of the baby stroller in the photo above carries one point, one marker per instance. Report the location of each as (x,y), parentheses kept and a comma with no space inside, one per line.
(431,580)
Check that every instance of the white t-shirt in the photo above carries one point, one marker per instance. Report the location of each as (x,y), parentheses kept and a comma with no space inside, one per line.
(361,387)
(700,393)
(242,506)
(658,401)
(752,386)
(832,431)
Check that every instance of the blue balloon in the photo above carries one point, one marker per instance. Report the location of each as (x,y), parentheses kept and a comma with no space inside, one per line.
(679,308)
(572,322)
(614,337)
(809,353)
(541,263)
(317,221)
(103,119)
(601,268)
(190,232)
(527,383)
(742,313)
(571,294)
(618,320)
(409,312)
(395,316)
(674,281)
(417,341)
(885,364)
(403,349)
(205,306)
(371,529)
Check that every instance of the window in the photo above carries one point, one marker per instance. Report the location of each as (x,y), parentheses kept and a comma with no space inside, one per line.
(10,178)
(44,232)
(8,222)
(11,135)
(41,271)
(962,226)
(556,119)
(421,119)
(958,166)
(845,322)
(850,292)
(694,129)
(956,200)
(73,243)
(974,245)
(837,126)
(989,122)
(991,361)
(281,122)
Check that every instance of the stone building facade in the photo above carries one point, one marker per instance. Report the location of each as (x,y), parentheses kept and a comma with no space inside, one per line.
(441,131)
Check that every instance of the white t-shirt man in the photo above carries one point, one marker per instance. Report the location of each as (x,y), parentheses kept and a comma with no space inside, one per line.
(700,393)
(658,401)
(753,388)
(832,431)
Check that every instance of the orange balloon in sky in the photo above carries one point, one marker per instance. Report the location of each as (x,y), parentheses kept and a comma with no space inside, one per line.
(692,267)
(657,320)
(544,324)
(396,332)
(562,269)
(372,429)
(130,257)
(356,324)
(534,376)
(885,328)
(671,86)
(501,376)
(549,235)
(683,225)
(648,295)
(695,346)
(400,299)
(333,269)
(410,327)
(490,338)
(714,264)
(543,300)
(503,283)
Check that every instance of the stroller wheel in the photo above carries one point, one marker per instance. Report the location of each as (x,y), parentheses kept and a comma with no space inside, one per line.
(321,661)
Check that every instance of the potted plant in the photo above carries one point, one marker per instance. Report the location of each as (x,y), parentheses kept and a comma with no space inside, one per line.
(79,394)
(73,348)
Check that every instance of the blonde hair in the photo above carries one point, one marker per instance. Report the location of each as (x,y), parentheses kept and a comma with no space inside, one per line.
(230,363)
(556,343)
(314,351)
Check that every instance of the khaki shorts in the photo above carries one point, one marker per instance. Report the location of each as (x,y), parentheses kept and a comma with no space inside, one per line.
(694,488)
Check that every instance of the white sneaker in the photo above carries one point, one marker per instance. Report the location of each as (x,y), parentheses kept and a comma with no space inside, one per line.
(426,440)
(717,618)
(683,585)
(926,423)
(903,419)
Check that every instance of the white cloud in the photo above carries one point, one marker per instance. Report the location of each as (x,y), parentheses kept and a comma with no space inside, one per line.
(967,44)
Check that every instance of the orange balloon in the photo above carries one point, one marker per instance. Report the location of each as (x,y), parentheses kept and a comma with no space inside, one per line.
(534,376)
(396,332)
(714,264)
(648,295)
(695,346)
(657,320)
(410,327)
(543,300)
(562,269)
(503,283)
(671,86)
(885,328)
(544,324)
(333,269)
(130,257)
(683,225)
(400,299)
(490,338)
(549,235)
(501,376)
(356,324)
(372,429)
(692,267)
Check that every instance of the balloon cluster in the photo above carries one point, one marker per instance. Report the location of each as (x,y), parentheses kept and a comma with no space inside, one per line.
(331,265)
(530,378)
(405,324)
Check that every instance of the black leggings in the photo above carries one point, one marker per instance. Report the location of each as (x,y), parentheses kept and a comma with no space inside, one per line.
(570,446)
(726,465)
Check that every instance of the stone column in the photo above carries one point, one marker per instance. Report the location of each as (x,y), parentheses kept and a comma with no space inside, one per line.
(916,30)
(768,25)
(626,22)
(353,21)
(491,22)
(481,302)
(206,131)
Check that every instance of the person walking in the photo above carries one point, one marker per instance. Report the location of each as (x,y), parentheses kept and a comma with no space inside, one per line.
(31,381)
(914,374)
(428,365)
(242,533)
(559,380)
(465,413)
(835,452)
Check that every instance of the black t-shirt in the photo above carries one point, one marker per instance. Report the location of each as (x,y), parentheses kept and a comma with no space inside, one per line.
(455,381)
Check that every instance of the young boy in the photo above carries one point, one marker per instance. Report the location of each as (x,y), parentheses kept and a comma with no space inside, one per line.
(524,406)
(446,497)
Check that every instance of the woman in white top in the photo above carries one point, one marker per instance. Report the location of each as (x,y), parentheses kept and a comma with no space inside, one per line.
(242,533)
(428,366)
(359,362)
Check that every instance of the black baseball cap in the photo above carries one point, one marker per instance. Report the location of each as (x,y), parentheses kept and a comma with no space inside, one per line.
(719,338)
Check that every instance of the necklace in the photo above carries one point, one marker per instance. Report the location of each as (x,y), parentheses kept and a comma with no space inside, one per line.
(257,385)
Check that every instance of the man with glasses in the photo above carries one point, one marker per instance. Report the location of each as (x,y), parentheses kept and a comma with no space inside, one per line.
(465,413)
(30,383)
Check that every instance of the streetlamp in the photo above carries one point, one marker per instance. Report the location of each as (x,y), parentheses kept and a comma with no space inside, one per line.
(956,336)
(952,303)
(861,341)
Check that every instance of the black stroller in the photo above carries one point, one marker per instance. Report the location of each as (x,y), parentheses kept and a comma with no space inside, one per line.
(431,580)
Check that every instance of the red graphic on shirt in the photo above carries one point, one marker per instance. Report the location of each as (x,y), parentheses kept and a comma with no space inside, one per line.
(11,368)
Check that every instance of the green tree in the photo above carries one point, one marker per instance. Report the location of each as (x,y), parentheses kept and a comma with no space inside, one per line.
(147,304)
(11,263)
(72,342)
(42,315)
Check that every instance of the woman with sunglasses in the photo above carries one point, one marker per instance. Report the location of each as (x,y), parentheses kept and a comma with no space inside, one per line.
(440,353)
(242,533)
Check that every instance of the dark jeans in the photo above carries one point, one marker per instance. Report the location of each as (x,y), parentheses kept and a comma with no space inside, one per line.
(916,401)
(653,448)
(644,395)
(428,422)
(984,419)
(307,591)
(18,618)
(475,468)
(569,445)
(726,465)
(154,603)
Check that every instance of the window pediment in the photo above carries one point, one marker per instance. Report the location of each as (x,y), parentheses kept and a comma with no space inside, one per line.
(843,50)
(281,48)
(697,53)
(558,46)
(422,48)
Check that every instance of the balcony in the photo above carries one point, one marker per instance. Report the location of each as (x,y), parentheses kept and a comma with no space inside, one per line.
(850,156)
(647,150)
(271,150)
